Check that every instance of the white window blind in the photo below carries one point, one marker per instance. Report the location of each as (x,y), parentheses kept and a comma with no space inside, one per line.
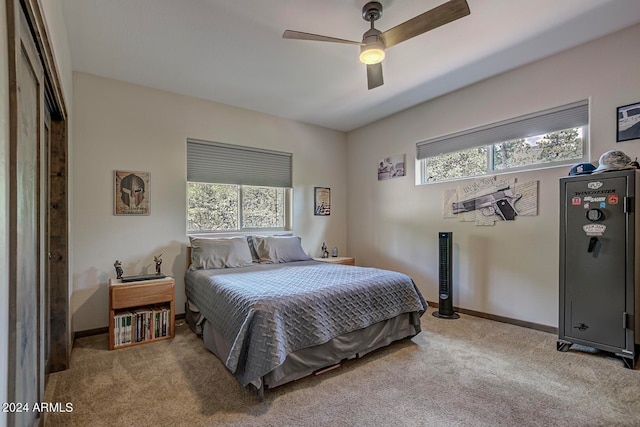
(560,118)
(218,163)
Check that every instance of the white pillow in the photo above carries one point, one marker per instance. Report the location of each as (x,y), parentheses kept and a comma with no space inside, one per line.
(277,249)
(220,253)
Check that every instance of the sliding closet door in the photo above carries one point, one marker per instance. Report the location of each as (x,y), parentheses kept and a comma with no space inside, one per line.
(46,200)
(26,370)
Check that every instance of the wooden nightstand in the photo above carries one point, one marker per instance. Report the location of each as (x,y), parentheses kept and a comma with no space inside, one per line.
(345,260)
(141,312)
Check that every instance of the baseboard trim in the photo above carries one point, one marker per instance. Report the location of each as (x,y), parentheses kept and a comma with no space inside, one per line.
(524,324)
(90,332)
(105,330)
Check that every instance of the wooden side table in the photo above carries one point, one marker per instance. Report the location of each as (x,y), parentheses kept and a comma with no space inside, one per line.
(145,311)
(345,260)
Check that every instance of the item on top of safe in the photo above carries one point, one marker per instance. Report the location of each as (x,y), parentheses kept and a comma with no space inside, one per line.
(613,160)
(584,168)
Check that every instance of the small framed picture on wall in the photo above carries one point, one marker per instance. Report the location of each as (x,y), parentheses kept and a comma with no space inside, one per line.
(391,167)
(322,201)
(628,123)
(131,193)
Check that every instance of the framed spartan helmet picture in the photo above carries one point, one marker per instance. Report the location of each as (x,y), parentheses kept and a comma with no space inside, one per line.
(131,193)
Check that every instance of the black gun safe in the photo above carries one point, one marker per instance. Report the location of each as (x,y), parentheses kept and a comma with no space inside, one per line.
(599,270)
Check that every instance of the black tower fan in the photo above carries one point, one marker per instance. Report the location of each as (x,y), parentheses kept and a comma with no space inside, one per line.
(445,277)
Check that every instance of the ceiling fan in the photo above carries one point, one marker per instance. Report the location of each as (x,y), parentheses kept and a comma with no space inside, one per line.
(374,42)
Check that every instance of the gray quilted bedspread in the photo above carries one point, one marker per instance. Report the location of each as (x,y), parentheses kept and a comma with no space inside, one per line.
(268,311)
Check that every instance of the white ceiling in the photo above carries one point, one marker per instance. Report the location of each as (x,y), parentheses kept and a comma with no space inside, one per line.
(232,51)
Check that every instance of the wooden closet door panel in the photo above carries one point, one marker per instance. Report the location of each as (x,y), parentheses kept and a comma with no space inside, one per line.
(26,229)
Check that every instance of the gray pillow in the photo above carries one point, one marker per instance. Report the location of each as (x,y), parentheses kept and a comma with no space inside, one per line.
(252,247)
(220,253)
(277,249)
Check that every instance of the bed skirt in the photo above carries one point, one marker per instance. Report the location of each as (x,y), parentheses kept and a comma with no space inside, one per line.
(306,361)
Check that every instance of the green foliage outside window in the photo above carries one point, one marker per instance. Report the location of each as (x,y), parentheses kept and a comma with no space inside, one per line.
(560,147)
(262,207)
(227,207)
(471,162)
(552,147)
(212,207)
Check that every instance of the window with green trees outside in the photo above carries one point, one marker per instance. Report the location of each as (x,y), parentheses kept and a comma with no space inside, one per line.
(561,147)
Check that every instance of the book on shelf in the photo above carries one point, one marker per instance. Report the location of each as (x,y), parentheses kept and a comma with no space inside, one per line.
(141,324)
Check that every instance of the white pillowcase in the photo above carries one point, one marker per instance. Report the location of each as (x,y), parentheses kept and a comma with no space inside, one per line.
(220,253)
(277,249)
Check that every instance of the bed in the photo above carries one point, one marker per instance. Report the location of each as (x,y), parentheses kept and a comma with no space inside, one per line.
(273,315)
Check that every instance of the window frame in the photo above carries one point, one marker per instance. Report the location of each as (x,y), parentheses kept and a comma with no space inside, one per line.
(217,163)
(288,203)
(572,114)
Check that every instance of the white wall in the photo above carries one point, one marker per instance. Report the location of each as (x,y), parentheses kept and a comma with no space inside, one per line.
(129,127)
(510,269)
(57,32)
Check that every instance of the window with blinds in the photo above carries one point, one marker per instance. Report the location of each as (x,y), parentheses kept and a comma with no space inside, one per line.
(236,188)
(553,137)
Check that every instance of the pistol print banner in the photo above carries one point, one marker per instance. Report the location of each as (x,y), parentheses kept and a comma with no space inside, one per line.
(487,200)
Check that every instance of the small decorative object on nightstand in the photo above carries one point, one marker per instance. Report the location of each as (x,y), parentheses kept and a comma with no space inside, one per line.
(158,261)
(344,260)
(140,311)
(118,266)
(334,251)
(325,252)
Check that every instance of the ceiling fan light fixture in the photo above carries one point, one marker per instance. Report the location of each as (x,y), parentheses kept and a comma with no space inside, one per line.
(372,49)
(371,54)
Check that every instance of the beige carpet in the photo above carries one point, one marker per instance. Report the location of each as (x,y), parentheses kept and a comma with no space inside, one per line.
(464,372)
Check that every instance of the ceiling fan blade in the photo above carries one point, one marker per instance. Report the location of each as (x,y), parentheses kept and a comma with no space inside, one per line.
(298,35)
(374,75)
(434,18)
